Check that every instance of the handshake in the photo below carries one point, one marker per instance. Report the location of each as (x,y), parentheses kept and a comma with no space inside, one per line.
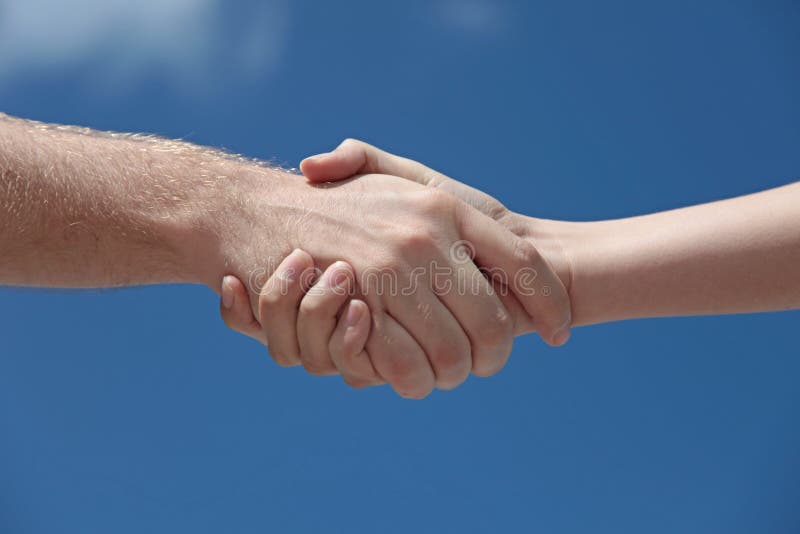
(405,276)
(389,271)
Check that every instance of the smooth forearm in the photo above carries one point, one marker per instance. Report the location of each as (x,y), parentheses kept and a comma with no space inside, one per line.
(733,256)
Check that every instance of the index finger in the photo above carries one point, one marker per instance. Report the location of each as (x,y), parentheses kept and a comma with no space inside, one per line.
(526,273)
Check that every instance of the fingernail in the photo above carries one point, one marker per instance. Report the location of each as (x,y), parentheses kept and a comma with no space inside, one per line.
(561,336)
(340,275)
(227,292)
(318,157)
(353,315)
(288,271)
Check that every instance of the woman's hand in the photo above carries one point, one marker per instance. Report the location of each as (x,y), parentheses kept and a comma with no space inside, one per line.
(324,314)
(354,157)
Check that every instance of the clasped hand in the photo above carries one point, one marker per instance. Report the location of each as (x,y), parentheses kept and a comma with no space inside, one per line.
(414,284)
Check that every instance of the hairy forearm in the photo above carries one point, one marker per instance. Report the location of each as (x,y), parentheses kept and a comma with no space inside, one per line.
(80,208)
(733,256)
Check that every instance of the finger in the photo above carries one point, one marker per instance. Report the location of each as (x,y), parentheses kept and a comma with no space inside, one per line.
(479,311)
(235,309)
(436,330)
(347,346)
(316,318)
(523,323)
(278,304)
(357,157)
(342,163)
(526,273)
(398,358)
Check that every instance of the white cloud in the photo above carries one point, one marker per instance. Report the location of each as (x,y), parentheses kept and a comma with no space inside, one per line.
(473,16)
(187,42)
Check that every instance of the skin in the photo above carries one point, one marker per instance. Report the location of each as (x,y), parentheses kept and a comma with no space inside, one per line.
(80,208)
(340,322)
(732,256)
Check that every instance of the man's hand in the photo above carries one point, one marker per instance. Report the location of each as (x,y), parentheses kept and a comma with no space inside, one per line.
(435,316)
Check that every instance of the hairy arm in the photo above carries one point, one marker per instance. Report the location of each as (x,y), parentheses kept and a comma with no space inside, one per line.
(80,208)
(731,256)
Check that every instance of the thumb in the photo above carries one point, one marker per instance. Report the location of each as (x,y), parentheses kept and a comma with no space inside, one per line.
(357,157)
(347,159)
(235,309)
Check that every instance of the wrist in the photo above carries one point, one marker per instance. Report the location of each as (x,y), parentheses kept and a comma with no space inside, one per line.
(216,237)
(571,249)
(194,225)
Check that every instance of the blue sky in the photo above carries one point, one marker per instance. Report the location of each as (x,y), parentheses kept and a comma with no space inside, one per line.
(136,410)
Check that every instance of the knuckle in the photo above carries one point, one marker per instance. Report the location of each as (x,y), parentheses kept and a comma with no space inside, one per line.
(358,382)
(350,142)
(490,365)
(340,354)
(400,370)
(452,382)
(285,363)
(282,358)
(414,239)
(556,312)
(389,261)
(349,360)
(270,300)
(408,380)
(498,330)
(315,364)
(312,307)
(564,308)
(413,394)
(525,253)
(434,200)
(485,369)
(315,368)
(497,340)
(452,365)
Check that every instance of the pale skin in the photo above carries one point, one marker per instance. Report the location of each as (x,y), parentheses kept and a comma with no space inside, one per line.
(732,256)
(80,208)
